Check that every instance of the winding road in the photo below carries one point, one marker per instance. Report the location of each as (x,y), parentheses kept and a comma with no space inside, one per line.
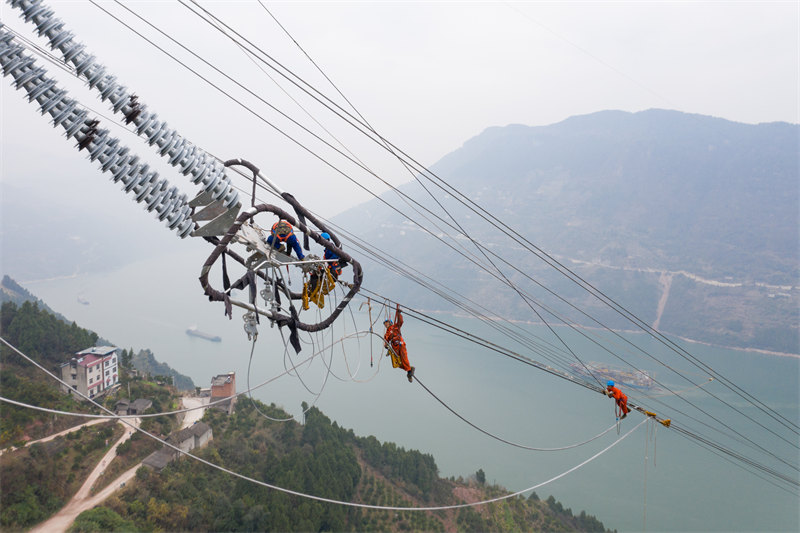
(82,501)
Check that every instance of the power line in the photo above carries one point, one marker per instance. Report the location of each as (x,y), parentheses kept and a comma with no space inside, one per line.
(617,311)
(319,498)
(548,259)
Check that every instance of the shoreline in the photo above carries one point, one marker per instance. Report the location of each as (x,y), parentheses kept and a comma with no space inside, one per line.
(761,351)
(738,349)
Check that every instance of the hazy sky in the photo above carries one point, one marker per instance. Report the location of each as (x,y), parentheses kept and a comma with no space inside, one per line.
(428,76)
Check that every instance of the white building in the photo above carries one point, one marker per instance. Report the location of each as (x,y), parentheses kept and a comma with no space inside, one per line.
(92,371)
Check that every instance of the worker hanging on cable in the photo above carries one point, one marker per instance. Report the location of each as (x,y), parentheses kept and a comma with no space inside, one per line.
(622,400)
(396,346)
(282,233)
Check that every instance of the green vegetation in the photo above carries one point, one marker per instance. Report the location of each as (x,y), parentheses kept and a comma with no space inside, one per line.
(101,519)
(48,341)
(317,457)
(322,459)
(146,363)
(777,314)
(130,453)
(40,479)
(40,335)
(11,291)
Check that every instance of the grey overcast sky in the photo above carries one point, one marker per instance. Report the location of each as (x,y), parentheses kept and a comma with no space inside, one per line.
(427,75)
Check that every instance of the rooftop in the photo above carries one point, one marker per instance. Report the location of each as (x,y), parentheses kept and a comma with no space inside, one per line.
(196,430)
(159,458)
(89,360)
(98,350)
(222,379)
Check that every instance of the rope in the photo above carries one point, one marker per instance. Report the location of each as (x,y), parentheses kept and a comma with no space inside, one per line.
(502,439)
(561,265)
(347,365)
(250,361)
(319,498)
(555,372)
(681,391)
(151,415)
(682,350)
(644,491)
(575,278)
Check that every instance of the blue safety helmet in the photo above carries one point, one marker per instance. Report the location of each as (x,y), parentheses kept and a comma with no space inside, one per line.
(610,384)
(325,235)
(389,321)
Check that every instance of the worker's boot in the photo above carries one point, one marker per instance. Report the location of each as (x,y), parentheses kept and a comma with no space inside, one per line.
(410,375)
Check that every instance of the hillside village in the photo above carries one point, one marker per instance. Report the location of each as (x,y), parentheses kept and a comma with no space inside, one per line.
(63,473)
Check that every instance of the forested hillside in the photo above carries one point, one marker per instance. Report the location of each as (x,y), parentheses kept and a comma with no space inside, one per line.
(39,479)
(323,459)
(50,342)
(144,360)
(11,291)
(316,457)
(688,221)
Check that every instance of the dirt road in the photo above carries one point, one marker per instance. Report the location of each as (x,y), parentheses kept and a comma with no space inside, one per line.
(81,501)
(193,416)
(59,434)
(665,280)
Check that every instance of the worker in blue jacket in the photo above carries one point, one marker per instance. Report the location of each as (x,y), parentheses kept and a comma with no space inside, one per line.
(334,266)
(282,232)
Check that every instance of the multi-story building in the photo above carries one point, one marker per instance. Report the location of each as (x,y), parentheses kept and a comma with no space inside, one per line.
(224,386)
(91,371)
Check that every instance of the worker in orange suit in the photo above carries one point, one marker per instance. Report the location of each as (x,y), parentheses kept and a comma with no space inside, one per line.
(621,399)
(396,346)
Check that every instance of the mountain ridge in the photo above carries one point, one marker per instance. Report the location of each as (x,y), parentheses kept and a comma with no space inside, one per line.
(656,191)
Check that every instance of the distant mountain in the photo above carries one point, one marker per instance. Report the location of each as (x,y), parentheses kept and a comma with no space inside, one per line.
(66,237)
(689,221)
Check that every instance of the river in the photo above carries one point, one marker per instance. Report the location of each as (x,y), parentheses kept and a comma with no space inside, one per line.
(656,480)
